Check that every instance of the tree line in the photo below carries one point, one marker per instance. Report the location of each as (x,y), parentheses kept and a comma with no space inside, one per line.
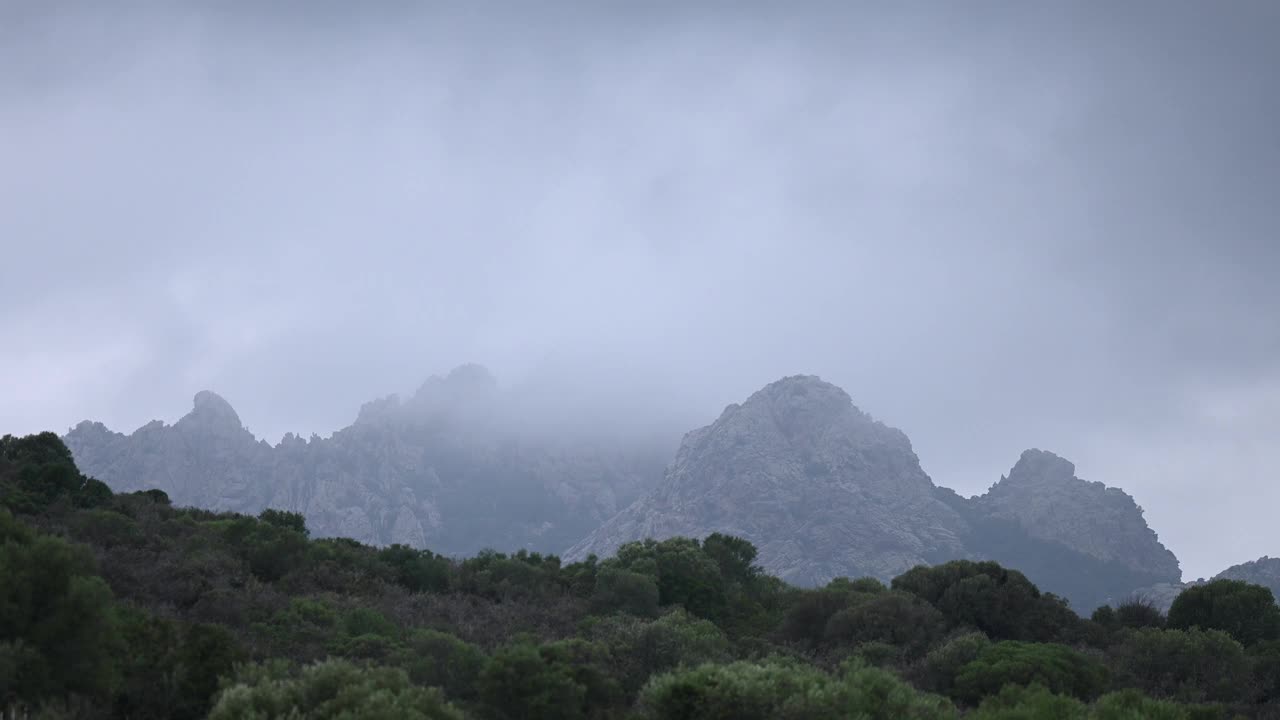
(123,606)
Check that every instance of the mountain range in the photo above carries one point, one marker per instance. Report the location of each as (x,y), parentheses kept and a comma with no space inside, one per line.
(819,486)
(453,467)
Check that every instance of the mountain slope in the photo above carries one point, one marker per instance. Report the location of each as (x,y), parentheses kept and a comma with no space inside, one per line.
(825,491)
(451,468)
(1044,497)
(821,489)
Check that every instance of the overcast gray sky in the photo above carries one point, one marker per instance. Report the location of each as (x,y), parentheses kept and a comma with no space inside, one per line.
(997,225)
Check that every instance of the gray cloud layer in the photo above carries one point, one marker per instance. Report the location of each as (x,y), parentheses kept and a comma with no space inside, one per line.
(998,225)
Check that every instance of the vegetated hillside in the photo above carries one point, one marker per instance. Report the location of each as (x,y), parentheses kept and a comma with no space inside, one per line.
(121,605)
(826,491)
(455,468)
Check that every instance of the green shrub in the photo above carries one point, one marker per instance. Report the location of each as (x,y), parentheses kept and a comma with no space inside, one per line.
(1185,665)
(639,649)
(1035,702)
(520,682)
(943,663)
(286,520)
(438,659)
(894,618)
(620,590)
(1057,668)
(57,632)
(417,570)
(983,595)
(106,529)
(1242,610)
(329,690)
(787,691)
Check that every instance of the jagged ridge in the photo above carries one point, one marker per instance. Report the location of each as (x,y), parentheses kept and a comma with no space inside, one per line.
(446,469)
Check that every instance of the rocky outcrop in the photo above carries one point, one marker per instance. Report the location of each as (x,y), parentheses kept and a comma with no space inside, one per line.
(1264,571)
(446,469)
(821,488)
(1045,498)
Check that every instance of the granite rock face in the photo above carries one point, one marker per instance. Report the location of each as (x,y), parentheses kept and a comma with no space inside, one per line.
(445,469)
(1043,495)
(821,488)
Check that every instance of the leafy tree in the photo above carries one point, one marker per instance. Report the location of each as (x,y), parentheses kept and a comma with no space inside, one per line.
(639,649)
(285,519)
(333,689)
(270,550)
(57,634)
(1035,702)
(207,653)
(1058,668)
(37,470)
(1187,665)
(686,575)
(1244,611)
(625,591)
(811,611)
(734,556)
(1264,661)
(1139,613)
(777,689)
(943,663)
(367,621)
(438,659)
(1133,705)
(106,528)
(983,595)
(895,618)
(150,687)
(520,682)
(417,570)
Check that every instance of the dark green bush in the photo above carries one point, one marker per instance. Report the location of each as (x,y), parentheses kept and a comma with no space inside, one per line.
(1185,665)
(1242,610)
(1057,668)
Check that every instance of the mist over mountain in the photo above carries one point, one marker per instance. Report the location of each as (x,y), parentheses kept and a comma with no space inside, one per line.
(458,466)
(825,491)
(820,487)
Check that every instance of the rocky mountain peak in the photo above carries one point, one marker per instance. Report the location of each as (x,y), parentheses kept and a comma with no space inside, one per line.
(1040,466)
(468,389)
(1043,495)
(819,486)
(210,410)
(806,412)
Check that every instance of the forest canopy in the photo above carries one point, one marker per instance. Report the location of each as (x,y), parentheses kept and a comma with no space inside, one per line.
(121,605)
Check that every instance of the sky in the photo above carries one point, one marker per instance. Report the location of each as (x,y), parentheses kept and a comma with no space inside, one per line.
(996,225)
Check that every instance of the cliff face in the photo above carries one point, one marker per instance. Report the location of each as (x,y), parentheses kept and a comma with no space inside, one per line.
(820,488)
(444,469)
(1045,498)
